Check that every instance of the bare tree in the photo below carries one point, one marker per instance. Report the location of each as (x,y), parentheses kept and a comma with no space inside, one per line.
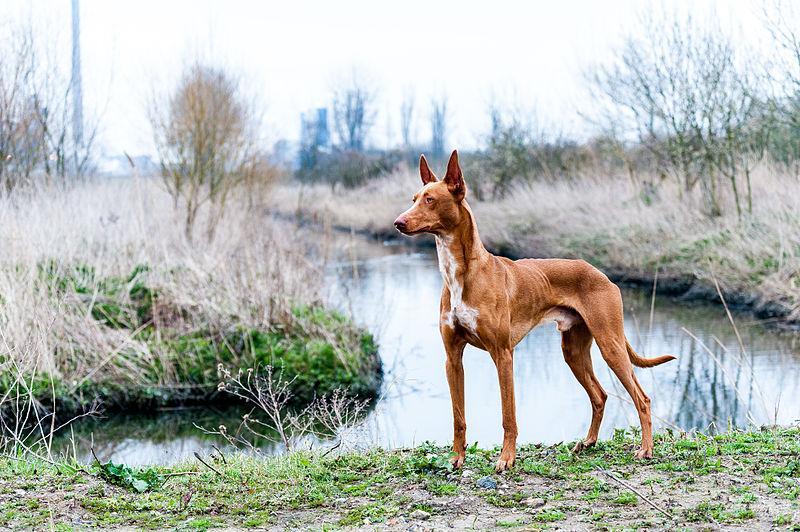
(781,20)
(438,125)
(406,118)
(35,114)
(353,111)
(732,129)
(207,135)
(683,90)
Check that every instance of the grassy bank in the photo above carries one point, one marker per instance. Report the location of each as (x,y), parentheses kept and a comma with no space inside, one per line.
(740,479)
(104,298)
(628,232)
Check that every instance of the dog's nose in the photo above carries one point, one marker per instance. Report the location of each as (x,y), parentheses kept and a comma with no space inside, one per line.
(400,223)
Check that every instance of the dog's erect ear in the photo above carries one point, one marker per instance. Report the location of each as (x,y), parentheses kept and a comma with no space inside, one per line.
(425,171)
(454,179)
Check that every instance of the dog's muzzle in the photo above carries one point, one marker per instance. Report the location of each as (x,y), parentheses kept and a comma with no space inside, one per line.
(400,224)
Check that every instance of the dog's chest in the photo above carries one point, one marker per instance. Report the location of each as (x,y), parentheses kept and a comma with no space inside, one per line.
(459,312)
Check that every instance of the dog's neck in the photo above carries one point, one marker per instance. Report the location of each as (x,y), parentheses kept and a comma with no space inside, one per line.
(460,249)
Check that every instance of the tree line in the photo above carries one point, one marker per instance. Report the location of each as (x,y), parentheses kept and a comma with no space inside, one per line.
(338,151)
(682,100)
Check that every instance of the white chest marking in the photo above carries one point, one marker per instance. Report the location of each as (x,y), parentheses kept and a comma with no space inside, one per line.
(459,312)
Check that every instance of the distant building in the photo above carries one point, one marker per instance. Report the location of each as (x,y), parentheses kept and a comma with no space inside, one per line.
(315,137)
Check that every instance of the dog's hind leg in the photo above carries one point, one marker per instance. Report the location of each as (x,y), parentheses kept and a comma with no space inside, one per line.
(576,345)
(603,315)
(615,354)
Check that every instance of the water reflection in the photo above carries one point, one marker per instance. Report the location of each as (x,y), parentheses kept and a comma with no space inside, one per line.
(394,290)
(713,383)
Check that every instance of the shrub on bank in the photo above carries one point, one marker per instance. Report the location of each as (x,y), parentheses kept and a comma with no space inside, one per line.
(166,358)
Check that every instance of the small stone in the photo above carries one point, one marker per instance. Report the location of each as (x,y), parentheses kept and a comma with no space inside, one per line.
(420,514)
(19,492)
(467,473)
(487,483)
(534,502)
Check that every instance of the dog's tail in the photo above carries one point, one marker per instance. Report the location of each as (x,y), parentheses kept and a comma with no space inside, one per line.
(646,362)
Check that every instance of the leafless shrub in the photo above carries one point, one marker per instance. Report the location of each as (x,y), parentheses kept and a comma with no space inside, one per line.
(406,119)
(35,114)
(520,149)
(781,19)
(270,395)
(206,132)
(687,93)
(353,111)
(438,125)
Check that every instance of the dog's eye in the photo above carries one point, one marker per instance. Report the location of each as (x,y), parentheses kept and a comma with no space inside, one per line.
(429,200)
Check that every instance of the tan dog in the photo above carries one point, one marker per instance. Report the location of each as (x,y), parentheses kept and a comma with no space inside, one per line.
(493,302)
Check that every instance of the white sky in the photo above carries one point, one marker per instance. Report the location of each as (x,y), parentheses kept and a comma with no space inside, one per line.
(526,54)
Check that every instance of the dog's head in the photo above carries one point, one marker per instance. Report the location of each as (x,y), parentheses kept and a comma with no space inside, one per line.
(436,207)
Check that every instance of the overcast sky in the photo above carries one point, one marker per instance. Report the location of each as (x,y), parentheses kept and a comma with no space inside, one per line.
(528,55)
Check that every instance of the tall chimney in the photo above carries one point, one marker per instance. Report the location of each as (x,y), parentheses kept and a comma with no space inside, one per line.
(76,85)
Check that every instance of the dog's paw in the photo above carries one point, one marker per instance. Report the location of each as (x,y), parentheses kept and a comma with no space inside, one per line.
(582,446)
(643,454)
(504,463)
(457,461)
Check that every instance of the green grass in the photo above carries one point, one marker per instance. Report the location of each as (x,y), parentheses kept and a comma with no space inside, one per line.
(748,486)
(627,498)
(548,516)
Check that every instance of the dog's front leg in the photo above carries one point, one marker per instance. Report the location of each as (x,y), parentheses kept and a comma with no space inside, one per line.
(504,360)
(455,379)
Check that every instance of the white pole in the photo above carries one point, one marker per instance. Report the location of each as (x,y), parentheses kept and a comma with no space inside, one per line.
(77,85)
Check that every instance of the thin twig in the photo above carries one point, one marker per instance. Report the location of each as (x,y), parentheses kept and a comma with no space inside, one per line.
(329,451)
(728,312)
(212,468)
(180,473)
(96,459)
(224,461)
(743,358)
(719,364)
(615,478)
(627,399)
(652,308)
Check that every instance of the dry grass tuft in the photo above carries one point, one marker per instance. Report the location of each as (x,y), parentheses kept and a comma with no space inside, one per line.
(250,276)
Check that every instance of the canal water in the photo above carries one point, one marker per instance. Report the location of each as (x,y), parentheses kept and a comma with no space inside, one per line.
(393,289)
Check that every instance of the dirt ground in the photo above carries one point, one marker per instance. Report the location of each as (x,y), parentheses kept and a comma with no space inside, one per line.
(741,480)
